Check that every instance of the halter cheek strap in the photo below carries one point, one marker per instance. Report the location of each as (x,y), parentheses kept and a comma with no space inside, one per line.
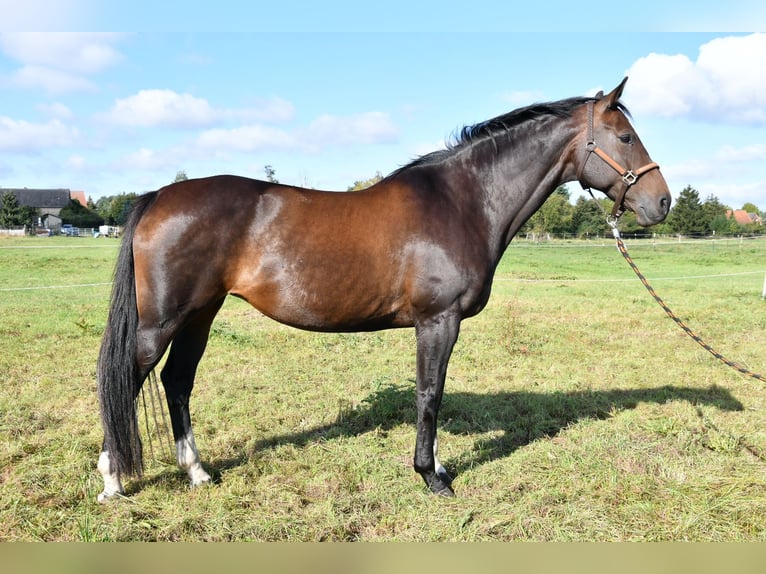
(629,177)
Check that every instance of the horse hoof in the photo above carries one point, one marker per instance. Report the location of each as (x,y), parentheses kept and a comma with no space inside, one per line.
(105,497)
(445,491)
(441,485)
(198,477)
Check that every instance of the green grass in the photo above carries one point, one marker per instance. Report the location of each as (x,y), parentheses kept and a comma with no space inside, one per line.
(574,410)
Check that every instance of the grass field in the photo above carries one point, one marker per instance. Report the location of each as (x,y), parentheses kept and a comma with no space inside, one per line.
(574,409)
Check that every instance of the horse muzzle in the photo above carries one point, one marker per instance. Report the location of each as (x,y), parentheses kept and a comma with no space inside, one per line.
(650,209)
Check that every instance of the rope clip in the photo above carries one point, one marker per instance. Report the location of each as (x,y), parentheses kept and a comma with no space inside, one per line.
(612,221)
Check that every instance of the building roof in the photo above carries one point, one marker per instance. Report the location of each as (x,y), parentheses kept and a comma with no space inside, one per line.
(40,198)
(79,196)
(743,217)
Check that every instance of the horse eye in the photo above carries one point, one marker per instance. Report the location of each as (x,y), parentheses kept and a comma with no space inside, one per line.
(626,138)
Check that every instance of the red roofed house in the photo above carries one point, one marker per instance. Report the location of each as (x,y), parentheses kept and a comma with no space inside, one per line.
(743,217)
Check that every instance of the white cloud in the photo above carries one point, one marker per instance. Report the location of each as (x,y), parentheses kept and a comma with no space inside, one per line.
(148,160)
(690,170)
(166,108)
(56,110)
(363,128)
(727,82)
(326,130)
(51,80)
(272,110)
(245,139)
(76,162)
(59,61)
(23,136)
(755,152)
(735,194)
(76,52)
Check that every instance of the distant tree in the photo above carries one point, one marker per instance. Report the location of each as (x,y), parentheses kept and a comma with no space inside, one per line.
(588,219)
(555,215)
(687,216)
(712,207)
(180,176)
(10,211)
(270,174)
(751,208)
(365,183)
(79,215)
(13,214)
(715,217)
(120,208)
(103,208)
(115,208)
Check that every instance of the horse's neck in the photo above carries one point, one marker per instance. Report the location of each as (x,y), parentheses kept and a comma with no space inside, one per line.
(520,176)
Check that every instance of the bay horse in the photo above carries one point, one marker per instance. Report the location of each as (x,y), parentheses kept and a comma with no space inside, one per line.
(418,249)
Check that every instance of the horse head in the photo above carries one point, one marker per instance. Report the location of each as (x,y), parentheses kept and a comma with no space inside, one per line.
(622,169)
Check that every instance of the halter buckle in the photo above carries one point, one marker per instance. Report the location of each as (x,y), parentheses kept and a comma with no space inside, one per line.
(629,178)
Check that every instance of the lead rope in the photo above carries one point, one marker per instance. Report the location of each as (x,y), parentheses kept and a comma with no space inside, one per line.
(740,440)
(624,252)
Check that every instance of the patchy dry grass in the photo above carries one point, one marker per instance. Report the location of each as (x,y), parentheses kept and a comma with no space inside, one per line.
(574,410)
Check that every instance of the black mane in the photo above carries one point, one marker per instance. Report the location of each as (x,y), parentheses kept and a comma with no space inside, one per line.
(501,125)
(506,122)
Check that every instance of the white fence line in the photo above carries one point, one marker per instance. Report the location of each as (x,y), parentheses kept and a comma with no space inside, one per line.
(627,279)
(636,242)
(44,287)
(63,246)
(5,232)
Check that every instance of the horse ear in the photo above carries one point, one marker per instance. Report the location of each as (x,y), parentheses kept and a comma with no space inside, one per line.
(614,96)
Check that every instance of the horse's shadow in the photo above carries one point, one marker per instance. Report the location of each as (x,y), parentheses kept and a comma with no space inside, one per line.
(521,417)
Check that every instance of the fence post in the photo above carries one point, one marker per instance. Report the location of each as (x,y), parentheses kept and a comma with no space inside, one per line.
(763,293)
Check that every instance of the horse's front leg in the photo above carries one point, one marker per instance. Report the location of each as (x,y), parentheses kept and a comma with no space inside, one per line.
(436,337)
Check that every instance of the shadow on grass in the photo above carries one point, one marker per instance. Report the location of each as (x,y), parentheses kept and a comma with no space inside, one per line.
(522,417)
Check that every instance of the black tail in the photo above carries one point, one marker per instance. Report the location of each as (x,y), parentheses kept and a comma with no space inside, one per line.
(119,379)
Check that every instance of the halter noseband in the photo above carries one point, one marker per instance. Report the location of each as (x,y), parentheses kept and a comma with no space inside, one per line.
(629,177)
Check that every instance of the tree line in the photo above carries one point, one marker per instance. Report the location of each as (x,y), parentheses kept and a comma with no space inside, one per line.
(689,216)
(111,210)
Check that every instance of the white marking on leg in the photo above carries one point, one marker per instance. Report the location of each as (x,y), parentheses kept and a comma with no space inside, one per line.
(188,459)
(112,484)
(438,465)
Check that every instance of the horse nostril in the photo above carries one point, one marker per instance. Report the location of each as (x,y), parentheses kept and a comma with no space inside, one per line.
(664,204)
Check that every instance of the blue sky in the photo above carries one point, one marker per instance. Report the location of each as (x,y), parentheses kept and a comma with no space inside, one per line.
(331,97)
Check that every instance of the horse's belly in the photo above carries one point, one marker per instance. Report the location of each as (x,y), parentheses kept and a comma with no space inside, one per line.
(332,303)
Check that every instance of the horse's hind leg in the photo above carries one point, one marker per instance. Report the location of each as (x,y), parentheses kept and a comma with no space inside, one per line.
(150,348)
(178,380)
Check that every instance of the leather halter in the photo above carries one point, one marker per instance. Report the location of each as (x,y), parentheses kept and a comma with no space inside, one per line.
(629,177)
